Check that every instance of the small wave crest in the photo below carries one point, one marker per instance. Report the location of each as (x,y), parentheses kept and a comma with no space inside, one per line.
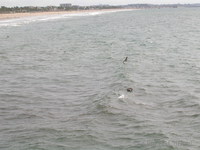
(27,20)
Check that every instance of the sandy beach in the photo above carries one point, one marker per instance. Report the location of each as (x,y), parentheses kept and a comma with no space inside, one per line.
(20,15)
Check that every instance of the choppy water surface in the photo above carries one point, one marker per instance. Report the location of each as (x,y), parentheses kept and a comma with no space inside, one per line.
(61,78)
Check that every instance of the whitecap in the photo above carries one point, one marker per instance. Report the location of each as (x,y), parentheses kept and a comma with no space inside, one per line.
(31,19)
(121,96)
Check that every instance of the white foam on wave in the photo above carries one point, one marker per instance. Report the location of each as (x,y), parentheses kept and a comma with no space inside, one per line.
(121,96)
(17,22)
(26,20)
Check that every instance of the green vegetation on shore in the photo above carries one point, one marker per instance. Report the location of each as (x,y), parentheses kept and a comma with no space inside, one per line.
(4,9)
(68,7)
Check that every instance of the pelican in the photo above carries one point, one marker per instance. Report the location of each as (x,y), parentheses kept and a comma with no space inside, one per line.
(125,60)
(129,90)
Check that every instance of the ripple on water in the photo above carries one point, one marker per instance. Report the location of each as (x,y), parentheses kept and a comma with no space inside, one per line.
(64,94)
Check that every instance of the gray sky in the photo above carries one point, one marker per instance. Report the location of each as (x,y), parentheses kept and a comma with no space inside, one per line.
(11,3)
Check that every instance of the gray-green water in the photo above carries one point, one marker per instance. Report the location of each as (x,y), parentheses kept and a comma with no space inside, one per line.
(60,79)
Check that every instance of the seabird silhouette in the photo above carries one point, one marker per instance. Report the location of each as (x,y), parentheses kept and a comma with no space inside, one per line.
(125,60)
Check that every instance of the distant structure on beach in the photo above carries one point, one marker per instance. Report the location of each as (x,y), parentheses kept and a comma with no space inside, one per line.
(67,5)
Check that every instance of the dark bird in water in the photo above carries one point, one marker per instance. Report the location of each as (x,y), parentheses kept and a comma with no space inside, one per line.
(129,90)
(125,60)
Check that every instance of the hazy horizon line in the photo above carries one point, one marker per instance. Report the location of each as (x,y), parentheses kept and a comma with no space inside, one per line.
(103,4)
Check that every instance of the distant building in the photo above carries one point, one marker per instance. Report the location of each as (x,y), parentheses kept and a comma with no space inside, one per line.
(67,5)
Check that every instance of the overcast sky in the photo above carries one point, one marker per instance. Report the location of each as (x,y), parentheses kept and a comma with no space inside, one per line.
(11,3)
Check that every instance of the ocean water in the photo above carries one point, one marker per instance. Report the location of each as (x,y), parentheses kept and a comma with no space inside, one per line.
(61,76)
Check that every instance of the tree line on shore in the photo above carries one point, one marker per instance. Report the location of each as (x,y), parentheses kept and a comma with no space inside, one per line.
(24,9)
(17,9)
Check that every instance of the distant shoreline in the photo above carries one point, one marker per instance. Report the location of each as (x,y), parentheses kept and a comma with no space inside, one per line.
(31,14)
